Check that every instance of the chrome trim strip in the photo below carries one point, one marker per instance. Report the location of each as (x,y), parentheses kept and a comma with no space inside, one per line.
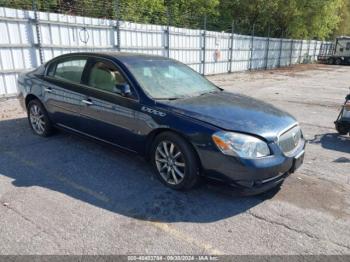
(87,102)
(287,129)
(300,154)
(278,176)
(272,178)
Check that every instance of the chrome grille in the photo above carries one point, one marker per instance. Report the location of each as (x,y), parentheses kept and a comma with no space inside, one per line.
(290,140)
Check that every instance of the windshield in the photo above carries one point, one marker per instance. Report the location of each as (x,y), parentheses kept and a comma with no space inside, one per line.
(167,79)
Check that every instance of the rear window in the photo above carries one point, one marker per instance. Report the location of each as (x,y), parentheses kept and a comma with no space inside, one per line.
(68,70)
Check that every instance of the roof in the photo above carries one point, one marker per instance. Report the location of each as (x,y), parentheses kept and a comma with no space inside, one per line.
(122,56)
(343,37)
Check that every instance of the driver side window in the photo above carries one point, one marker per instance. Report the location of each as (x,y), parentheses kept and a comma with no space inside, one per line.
(348,46)
(105,77)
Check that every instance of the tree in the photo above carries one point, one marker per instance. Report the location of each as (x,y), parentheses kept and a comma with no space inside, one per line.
(290,18)
(344,26)
(307,19)
(245,13)
(190,13)
(315,18)
(142,11)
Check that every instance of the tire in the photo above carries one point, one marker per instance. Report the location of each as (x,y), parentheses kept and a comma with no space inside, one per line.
(331,61)
(178,157)
(338,61)
(341,129)
(38,119)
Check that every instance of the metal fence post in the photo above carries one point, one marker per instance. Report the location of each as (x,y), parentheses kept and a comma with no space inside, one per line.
(267,49)
(37,29)
(308,50)
(231,47)
(252,49)
(117,26)
(291,52)
(204,44)
(300,51)
(315,47)
(167,34)
(280,52)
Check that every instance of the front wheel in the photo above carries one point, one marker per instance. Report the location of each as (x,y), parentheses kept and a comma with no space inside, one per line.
(175,161)
(38,119)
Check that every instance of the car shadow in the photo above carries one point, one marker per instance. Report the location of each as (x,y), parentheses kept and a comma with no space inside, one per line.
(116,181)
(332,141)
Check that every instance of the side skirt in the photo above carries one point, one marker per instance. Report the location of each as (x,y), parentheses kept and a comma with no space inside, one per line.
(82,134)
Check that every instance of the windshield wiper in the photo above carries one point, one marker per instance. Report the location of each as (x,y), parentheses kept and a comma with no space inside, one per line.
(189,96)
(210,92)
(169,98)
(165,98)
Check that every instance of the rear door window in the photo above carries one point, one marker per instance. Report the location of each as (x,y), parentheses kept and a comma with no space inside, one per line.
(70,70)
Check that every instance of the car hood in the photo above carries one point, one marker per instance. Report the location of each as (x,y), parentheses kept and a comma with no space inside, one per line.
(234,112)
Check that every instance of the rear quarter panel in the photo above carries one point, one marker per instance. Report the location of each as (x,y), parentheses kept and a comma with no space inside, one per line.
(29,83)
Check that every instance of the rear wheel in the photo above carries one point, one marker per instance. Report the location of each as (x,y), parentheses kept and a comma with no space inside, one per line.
(338,61)
(341,128)
(175,161)
(331,61)
(38,119)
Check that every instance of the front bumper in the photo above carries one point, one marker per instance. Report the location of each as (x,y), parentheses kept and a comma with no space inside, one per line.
(252,175)
(259,188)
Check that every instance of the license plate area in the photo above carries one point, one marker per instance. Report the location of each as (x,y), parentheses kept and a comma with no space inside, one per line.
(297,161)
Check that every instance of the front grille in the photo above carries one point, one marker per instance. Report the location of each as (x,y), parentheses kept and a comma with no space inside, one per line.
(290,140)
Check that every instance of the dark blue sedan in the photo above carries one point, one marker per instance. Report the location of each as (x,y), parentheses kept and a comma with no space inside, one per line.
(185,125)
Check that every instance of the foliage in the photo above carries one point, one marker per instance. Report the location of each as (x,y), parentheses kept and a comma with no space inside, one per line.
(344,27)
(289,18)
(319,19)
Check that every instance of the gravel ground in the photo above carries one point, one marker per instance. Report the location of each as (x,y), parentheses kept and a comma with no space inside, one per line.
(69,195)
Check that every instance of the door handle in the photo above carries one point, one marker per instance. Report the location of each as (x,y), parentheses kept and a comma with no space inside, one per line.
(48,89)
(87,102)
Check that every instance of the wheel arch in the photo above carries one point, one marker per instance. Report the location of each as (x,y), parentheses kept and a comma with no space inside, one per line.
(152,136)
(29,98)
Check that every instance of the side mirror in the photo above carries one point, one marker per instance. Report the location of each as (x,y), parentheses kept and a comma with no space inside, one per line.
(123,89)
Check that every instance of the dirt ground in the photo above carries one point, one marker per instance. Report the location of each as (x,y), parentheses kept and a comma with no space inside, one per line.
(68,195)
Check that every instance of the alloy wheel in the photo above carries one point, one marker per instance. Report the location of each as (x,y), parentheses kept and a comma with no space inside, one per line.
(170,162)
(37,120)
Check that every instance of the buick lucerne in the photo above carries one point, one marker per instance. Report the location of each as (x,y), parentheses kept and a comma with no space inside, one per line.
(162,109)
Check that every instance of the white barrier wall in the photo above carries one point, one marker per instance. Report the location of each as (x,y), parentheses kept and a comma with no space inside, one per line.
(26,42)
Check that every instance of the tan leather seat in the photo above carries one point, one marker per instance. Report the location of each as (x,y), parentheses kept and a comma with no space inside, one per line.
(102,79)
(118,77)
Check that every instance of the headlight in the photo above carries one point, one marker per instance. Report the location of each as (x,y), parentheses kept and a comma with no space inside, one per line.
(244,146)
